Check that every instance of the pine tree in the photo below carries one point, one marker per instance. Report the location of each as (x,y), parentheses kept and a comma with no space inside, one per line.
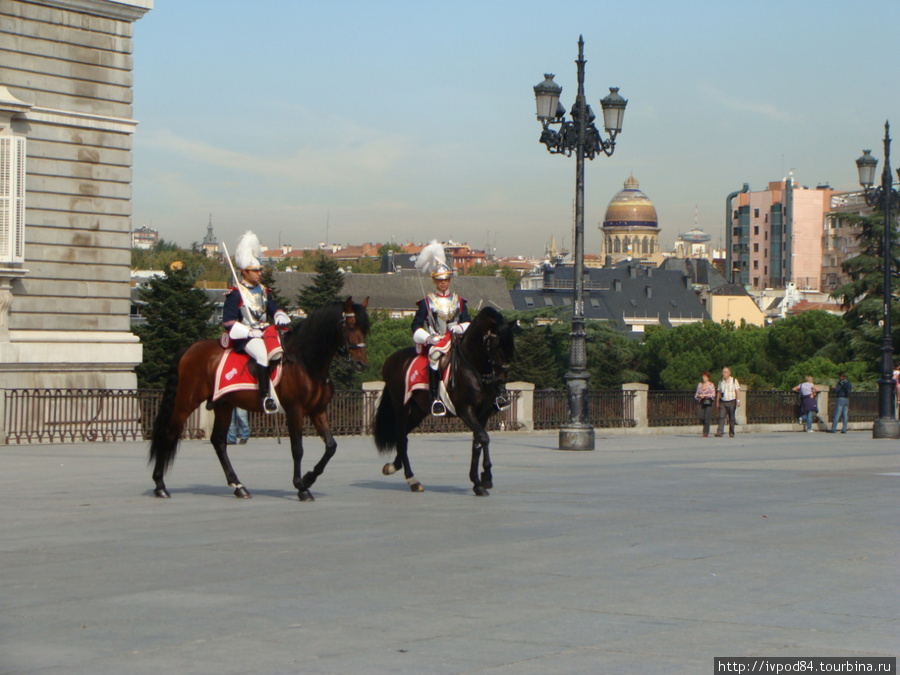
(864,294)
(326,286)
(268,280)
(177,315)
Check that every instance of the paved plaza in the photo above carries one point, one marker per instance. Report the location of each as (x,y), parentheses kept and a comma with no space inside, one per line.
(651,554)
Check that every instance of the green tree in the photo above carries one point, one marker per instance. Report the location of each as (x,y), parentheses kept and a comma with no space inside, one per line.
(387,336)
(177,315)
(535,360)
(612,360)
(863,295)
(798,338)
(326,285)
(268,280)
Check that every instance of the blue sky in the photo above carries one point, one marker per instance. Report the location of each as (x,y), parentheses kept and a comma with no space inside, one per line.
(367,121)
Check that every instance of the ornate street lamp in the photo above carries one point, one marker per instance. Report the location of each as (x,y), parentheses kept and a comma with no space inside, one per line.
(581,138)
(886,198)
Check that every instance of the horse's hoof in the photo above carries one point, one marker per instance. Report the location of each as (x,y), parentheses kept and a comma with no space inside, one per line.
(305,496)
(242,493)
(480,491)
(487,482)
(162,493)
(389,470)
(416,487)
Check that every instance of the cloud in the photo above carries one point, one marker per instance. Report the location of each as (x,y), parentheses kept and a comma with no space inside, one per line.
(753,107)
(358,156)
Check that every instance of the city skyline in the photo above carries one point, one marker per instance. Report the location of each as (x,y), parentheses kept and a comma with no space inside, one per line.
(351,122)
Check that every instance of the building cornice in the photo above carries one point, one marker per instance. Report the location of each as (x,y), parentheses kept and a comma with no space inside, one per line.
(67,118)
(122,10)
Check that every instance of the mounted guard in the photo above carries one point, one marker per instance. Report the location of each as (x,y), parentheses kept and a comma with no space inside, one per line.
(247,313)
(439,315)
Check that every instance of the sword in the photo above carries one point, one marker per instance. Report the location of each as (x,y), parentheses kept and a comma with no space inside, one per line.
(245,306)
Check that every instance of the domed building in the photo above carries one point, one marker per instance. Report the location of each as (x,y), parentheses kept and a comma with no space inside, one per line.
(630,227)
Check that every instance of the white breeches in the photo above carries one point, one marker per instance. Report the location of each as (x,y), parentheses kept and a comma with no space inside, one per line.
(256,348)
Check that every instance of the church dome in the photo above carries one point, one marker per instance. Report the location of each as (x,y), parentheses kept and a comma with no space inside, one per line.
(630,208)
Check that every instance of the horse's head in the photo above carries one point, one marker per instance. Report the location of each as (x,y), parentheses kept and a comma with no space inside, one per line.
(355,328)
(491,337)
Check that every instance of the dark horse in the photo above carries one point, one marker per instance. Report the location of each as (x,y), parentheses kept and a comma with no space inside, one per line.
(479,364)
(305,390)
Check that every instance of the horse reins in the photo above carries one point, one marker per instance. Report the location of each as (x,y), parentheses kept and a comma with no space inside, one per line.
(347,345)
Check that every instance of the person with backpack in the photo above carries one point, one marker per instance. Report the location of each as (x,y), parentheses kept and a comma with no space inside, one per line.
(842,402)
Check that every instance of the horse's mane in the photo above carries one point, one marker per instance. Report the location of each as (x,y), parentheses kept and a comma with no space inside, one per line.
(314,340)
(489,318)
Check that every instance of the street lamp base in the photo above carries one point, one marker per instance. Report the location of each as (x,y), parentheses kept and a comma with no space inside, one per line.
(573,436)
(886,427)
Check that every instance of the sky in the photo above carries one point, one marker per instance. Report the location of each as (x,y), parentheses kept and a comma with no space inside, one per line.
(348,122)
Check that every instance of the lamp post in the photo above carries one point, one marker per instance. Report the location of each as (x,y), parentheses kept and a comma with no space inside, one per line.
(884,197)
(581,138)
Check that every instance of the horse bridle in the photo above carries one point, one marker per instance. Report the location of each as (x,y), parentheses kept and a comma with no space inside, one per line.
(486,378)
(347,345)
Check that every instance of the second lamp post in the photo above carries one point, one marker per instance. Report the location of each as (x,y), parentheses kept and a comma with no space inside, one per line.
(581,138)
(886,198)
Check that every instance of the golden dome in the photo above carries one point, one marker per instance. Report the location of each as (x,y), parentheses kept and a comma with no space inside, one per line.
(630,208)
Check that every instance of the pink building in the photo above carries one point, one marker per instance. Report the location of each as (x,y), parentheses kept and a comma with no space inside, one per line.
(776,236)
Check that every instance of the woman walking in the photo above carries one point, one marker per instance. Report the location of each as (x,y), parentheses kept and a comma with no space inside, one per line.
(705,397)
(808,405)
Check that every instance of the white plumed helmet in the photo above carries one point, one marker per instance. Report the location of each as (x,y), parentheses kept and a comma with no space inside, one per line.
(431,260)
(248,252)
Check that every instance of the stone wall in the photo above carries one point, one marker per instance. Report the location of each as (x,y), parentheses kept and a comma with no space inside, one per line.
(70,63)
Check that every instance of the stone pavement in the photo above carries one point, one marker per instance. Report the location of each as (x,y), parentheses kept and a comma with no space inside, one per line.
(649,555)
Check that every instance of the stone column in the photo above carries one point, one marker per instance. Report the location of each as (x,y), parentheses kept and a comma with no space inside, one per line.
(740,412)
(524,404)
(373,396)
(640,403)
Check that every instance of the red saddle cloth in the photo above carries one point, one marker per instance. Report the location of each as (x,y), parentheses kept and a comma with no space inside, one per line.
(233,374)
(417,376)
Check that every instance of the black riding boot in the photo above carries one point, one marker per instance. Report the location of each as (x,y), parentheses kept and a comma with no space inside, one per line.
(437,406)
(269,405)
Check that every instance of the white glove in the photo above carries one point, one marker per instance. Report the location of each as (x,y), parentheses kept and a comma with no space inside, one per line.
(255,333)
(433,339)
(282,319)
(458,329)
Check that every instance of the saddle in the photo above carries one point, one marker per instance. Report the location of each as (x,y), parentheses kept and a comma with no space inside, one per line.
(417,378)
(234,373)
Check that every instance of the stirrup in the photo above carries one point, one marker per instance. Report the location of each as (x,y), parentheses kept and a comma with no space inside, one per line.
(502,402)
(437,408)
(269,405)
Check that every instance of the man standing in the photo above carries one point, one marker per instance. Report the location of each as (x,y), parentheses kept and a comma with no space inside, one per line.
(842,403)
(728,398)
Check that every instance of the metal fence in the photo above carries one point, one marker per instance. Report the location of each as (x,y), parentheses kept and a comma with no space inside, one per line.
(79,415)
(606,408)
(107,415)
(863,406)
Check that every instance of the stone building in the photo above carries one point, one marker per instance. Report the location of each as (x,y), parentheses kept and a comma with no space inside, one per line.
(630,227)
(66,130)
(775,236)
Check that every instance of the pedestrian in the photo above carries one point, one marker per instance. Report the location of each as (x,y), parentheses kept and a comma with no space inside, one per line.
(705,396)
(842,402)
(240,426)
(808,405)
(728,398)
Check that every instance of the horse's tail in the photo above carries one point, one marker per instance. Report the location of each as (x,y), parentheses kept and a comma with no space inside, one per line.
(385,424)
(162,444)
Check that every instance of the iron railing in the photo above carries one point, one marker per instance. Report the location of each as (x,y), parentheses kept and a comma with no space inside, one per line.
(84,415)
(108,415)
(672,409)
(863,406)
(606,408)
(772,407)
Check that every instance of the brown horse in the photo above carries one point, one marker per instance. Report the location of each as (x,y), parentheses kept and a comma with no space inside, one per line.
(305,390)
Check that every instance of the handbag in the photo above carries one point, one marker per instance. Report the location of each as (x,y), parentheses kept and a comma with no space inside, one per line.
(706,402)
